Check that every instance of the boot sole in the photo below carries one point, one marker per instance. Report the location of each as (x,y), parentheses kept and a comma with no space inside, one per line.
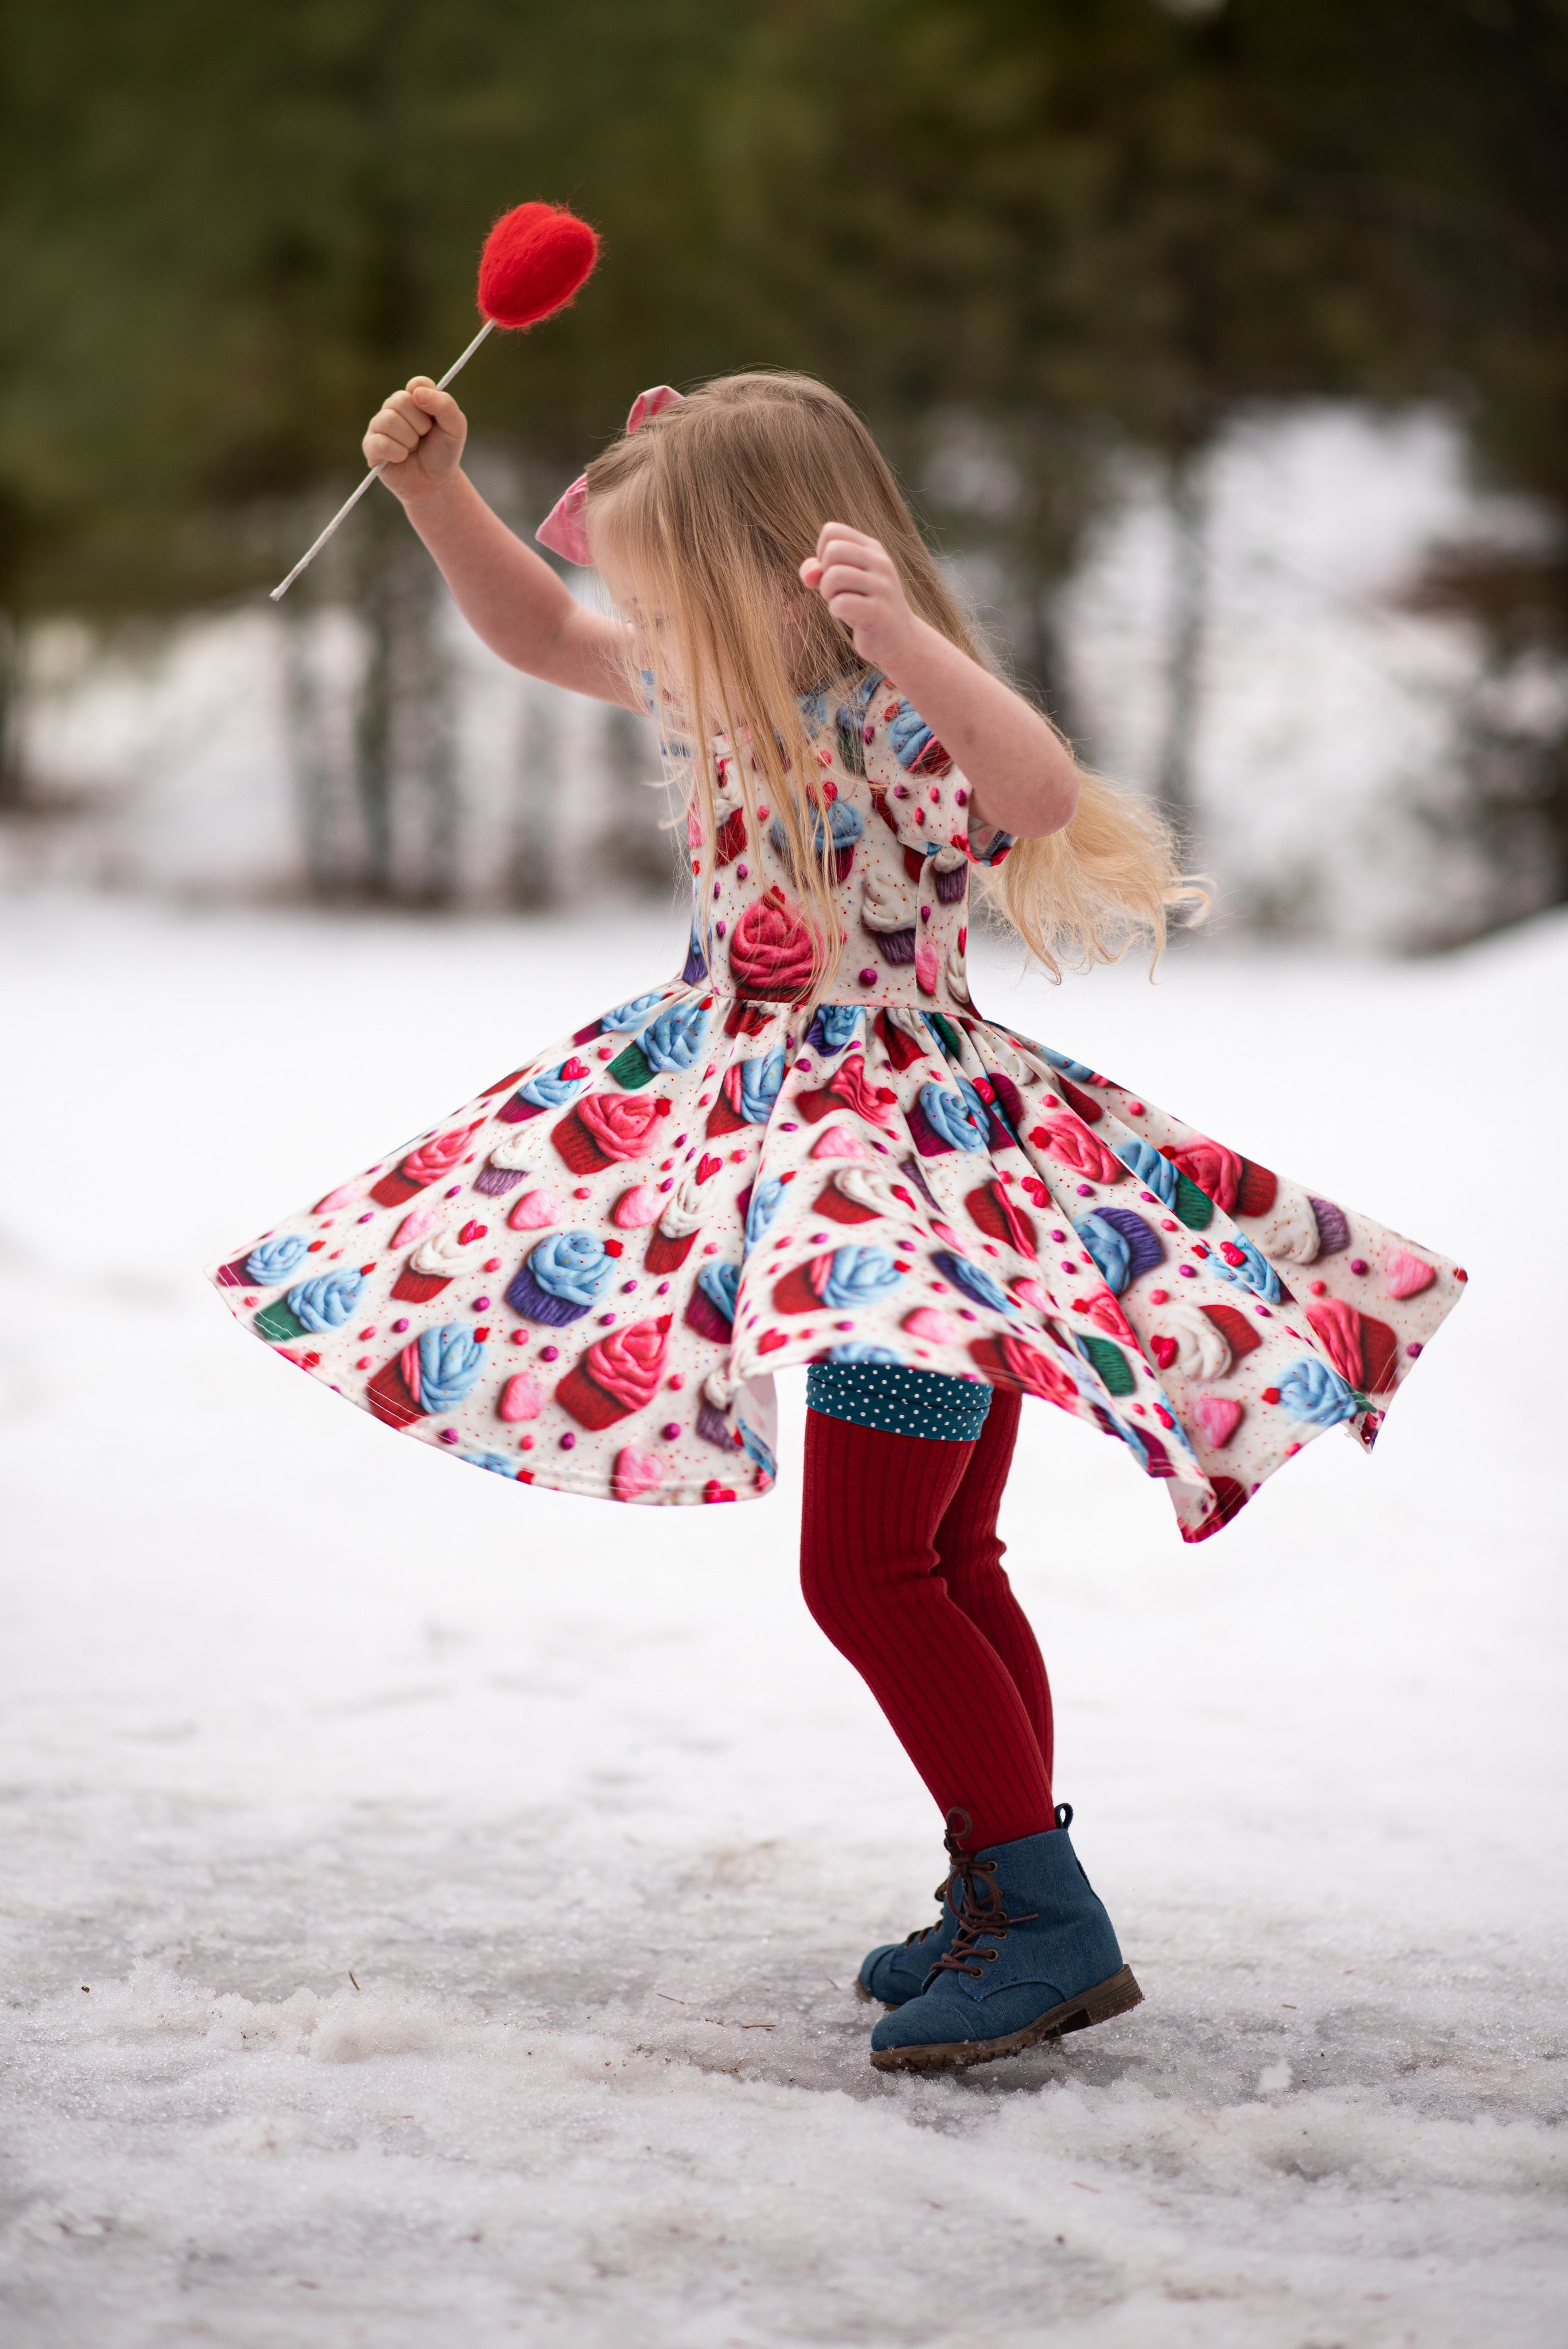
(1118,1996)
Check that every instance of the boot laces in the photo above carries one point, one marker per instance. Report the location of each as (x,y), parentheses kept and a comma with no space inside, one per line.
(960,1873)
(983,1913)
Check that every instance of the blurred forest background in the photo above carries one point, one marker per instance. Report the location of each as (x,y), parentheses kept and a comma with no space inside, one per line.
(1223,344)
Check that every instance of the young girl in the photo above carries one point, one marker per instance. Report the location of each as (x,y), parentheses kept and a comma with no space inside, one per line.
(810,1148)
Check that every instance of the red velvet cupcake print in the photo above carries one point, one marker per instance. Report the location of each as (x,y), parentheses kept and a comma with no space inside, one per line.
(585,1276)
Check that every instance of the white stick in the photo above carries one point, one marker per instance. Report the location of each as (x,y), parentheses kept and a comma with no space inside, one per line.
(346,508)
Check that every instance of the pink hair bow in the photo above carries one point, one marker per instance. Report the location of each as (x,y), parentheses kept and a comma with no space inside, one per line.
(564,529)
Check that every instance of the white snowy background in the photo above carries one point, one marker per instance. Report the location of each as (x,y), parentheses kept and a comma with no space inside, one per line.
(430,1907)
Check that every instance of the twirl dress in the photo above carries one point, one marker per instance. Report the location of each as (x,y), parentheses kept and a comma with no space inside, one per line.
(585,1276)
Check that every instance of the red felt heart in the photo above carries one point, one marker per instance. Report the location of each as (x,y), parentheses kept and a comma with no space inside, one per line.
(707,1168)
(1164,1351)
(536,259)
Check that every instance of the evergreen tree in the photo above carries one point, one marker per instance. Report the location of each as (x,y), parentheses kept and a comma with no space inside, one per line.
(1021,233)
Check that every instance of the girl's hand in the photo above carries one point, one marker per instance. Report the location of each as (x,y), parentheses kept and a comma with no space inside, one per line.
(418,435)
(858,582)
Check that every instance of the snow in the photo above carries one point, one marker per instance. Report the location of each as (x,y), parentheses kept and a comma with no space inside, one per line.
(430,1906)
(165,760)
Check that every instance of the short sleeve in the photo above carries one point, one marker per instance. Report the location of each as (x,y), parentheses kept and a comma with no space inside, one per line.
(919,791)
(987,842)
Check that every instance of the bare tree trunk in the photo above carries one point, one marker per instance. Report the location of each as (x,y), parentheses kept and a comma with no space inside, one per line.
(426,853)
(12,781)
(1189,596)
(535,871)
(323,790)
(403,747)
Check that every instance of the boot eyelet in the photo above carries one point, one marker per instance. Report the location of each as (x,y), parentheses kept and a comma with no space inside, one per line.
(990,1956)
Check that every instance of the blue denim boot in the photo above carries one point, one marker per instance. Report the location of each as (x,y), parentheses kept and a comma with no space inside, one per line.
(896,1972)
(1034,1955)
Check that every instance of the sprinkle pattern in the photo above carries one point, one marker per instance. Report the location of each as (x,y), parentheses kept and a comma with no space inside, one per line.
(621,1241)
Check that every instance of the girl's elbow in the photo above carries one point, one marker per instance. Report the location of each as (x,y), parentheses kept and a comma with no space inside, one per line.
(1052,811)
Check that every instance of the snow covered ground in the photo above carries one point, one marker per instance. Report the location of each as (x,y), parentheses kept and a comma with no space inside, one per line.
(430,1906)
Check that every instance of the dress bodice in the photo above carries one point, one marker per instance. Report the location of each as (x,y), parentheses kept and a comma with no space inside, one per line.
(900,818)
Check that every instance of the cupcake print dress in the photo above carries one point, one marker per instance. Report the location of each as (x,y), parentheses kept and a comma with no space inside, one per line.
(587,1276)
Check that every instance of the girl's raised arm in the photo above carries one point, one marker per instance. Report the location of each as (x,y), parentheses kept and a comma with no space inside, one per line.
(1020,770)
(505,592)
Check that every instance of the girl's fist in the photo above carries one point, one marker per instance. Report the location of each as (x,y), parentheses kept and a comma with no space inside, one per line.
(857,580)
(418,434)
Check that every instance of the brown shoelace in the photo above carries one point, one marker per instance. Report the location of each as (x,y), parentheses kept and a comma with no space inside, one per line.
(959,1825)
(981,1910)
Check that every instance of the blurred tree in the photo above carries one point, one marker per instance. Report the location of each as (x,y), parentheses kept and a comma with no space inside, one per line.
(1088,228)
(1024,234)
(227,232)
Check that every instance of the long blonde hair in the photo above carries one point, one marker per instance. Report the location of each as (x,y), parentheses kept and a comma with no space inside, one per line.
(717,502)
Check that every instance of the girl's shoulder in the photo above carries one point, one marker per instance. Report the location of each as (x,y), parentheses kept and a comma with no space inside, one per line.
(914,784)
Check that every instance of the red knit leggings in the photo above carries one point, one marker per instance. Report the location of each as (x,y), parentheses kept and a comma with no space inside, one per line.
(901,1566)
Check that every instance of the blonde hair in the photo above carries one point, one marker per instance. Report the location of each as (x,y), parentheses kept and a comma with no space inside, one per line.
(718,501)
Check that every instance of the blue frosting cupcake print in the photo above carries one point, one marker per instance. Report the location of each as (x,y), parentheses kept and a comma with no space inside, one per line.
(858,1275)
(836,1165)
(1154,1172)
(561,1279)
(845,826)
(627,1016)
(672,1042)
(760,1080)
(721,1285)
(1314,1391)
(552,1090)
(1078,1071)
(272,1261)
(911,736)
(1237,1259)
(835,1024)
(312,1308)
(711,1307)
(765,1205)
(450,1359)
(1121,1244)
(955,1113)
(973,1280)
(326,1301)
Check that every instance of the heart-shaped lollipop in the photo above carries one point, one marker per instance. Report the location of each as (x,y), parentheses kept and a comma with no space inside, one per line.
(536,260)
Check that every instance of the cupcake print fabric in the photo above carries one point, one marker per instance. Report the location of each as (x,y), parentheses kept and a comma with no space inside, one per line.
(585,1276)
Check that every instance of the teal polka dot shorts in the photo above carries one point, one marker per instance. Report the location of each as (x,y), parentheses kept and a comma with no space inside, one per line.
(900,1400)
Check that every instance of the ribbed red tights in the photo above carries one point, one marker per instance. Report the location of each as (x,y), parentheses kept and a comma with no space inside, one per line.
(901,1566)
